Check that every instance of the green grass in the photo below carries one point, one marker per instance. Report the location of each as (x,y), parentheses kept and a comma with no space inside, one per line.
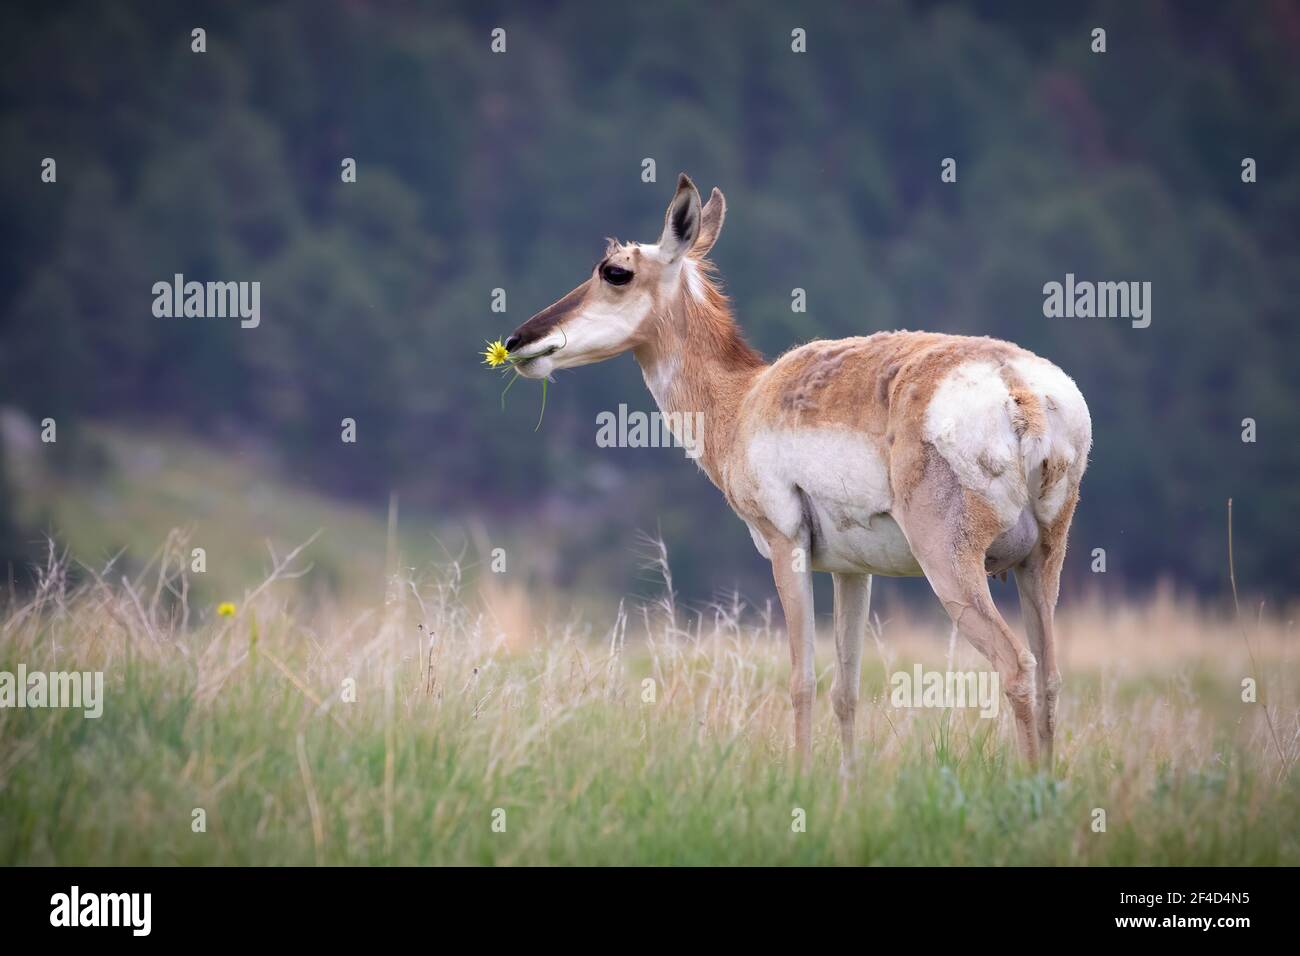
(245,719)
(227,502)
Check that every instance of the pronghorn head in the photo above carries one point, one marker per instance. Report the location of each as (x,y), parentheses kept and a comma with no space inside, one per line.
(628,290)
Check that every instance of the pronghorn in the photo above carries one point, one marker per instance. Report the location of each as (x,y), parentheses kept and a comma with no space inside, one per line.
(899,453)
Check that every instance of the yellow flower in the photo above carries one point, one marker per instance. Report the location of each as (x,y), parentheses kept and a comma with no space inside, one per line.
(225,609)
(495,354)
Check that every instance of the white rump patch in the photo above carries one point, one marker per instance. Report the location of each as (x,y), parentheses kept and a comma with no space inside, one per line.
(969,423)
(1069,430)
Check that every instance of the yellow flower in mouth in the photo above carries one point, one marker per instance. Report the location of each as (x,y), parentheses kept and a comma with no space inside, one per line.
(225,609)
(497,354)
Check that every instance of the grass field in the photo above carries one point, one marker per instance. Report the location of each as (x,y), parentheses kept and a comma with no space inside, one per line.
(481,735)
(229,501)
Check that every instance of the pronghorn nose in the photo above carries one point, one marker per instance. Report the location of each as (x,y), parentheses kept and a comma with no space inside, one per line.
(512,342)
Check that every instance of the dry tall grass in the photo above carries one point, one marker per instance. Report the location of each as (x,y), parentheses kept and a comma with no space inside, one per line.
(659,736)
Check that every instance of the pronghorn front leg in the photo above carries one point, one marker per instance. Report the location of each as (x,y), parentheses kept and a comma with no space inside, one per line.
(852,605)
(793,574)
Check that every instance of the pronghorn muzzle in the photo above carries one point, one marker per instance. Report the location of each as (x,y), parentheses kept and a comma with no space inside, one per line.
(541,324)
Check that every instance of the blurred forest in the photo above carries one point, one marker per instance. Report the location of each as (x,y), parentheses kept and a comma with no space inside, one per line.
(478,170)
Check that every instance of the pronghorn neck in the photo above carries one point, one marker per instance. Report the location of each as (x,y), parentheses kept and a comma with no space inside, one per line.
(696,360)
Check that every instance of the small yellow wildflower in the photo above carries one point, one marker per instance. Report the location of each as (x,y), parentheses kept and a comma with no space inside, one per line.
(225,609)
(495,354)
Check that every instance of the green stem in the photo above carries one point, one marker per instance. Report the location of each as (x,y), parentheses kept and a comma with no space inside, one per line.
(506,389)
(543,414)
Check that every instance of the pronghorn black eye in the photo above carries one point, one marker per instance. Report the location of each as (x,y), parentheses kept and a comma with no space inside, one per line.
(616,276)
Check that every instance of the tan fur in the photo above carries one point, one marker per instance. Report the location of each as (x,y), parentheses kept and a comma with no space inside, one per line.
(1028,417)
(717,364)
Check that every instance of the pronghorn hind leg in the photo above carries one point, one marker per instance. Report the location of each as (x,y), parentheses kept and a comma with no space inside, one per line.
(793,575)
(1036,611)
(949,529)
(852,605)
(1038,579)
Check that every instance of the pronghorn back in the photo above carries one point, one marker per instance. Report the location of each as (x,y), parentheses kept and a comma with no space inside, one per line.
(837,430)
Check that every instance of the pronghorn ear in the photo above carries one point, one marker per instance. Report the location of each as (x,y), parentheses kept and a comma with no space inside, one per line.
(681,221)
(712,217)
